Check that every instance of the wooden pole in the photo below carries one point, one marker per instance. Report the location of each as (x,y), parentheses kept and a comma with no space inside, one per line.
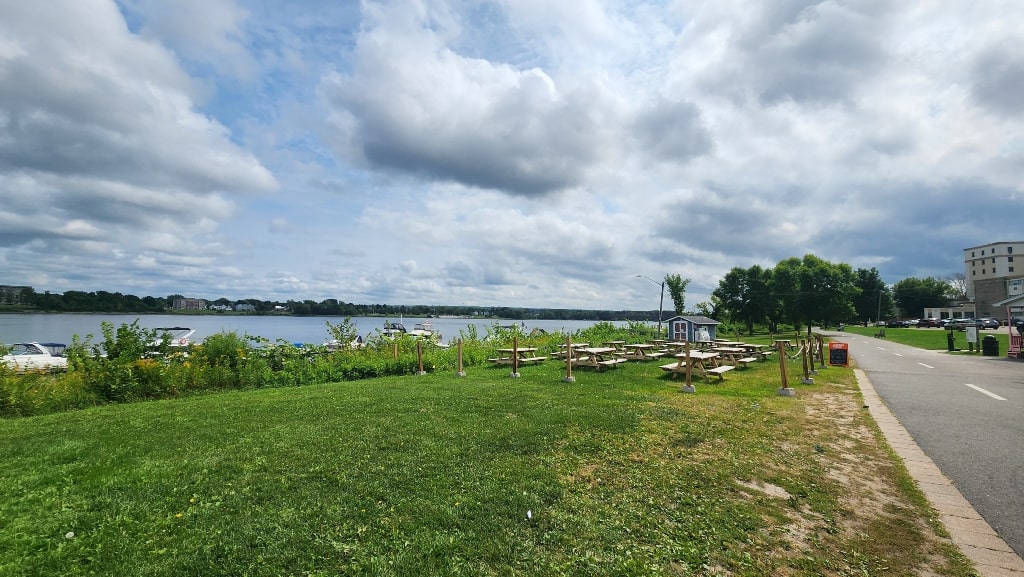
(568,360)
(688,387)
(461,372)
(419,356)
(515,357)
(785,391)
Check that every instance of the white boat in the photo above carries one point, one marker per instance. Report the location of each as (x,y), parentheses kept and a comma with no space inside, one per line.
(424,329)
(36,357)
(179,337)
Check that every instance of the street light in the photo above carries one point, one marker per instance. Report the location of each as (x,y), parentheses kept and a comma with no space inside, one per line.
(661,303)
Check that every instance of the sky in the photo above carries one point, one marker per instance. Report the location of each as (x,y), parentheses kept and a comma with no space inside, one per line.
(522,153)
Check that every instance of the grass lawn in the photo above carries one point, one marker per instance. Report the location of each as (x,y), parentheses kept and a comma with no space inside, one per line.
(619,473)
(934,338)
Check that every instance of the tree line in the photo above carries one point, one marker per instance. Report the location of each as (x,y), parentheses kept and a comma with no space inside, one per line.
(812,291)
(115,302)
(797,291)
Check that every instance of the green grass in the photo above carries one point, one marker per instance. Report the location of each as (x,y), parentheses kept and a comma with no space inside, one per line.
(933,338)
(618,473)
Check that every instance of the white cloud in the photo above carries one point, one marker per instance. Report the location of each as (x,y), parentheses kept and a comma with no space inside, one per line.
(512,153)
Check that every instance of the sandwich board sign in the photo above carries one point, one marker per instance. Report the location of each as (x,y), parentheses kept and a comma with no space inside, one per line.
(838,354)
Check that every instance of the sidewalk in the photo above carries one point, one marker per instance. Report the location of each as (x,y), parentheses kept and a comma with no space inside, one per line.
(991,556)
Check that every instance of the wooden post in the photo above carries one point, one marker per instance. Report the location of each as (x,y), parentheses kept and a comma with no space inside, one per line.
(808,361)
(785,391)
(688,387)
(460,372)
(568,360)
(419,356)
(515,357)
(394,352)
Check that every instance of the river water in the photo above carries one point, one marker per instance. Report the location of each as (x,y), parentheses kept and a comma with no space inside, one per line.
(313,330)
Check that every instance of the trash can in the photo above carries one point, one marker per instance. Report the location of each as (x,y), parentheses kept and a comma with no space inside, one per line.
(990,346)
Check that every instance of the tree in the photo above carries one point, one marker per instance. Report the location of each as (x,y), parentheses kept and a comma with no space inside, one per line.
(677,289)
(875,299)
(813,290)
(913,295)
(745,295)
(957,286)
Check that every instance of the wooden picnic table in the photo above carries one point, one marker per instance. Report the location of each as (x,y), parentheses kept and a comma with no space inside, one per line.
(731,352)
(617,345)
(640,352)
(575,346)
(787,342)
(596,357)
(698,362)
(526,355)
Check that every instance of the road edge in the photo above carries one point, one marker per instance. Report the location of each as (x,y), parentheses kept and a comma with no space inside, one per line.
(991,556)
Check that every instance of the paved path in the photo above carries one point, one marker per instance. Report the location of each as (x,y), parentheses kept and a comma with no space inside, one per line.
(969,531)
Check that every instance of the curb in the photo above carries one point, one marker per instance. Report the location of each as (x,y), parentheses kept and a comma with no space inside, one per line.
(991,556)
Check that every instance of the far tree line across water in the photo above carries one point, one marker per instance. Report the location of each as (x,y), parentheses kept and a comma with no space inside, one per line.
(797,292)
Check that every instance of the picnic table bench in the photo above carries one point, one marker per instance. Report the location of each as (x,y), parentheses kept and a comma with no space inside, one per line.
(598,358)
(524,356)
(698,362)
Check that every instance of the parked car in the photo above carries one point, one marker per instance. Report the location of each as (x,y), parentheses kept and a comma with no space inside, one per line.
(896,323)
(929,322)
(962,324)
(989,323)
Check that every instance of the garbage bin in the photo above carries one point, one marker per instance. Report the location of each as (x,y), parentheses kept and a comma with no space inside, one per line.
(990,346)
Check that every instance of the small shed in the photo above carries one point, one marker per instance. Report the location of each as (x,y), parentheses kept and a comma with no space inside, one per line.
(694,329)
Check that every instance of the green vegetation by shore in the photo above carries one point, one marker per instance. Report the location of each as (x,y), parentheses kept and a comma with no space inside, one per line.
(618,473)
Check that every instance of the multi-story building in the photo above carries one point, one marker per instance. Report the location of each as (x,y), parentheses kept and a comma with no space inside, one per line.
(189,304)
(994,275)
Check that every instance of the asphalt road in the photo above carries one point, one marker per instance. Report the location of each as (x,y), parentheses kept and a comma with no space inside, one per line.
(966,413)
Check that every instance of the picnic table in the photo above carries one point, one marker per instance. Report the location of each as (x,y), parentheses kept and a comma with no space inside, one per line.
(561,352)
(640,352)
(730,352)
(526,355)
(598,358)
(617,345)
(699,361)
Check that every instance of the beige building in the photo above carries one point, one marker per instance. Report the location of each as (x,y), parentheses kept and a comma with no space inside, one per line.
(994,273)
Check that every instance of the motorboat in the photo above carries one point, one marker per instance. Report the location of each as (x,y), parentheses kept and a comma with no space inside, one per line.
(424,329)
(179,337)
(36,356)
(392,329)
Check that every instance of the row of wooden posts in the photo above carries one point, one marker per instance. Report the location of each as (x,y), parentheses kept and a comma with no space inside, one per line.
(811,351)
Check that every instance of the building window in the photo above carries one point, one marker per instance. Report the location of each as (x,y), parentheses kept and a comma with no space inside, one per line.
(982,252)
(1011,269)
(1009,259)
(1009,250)
(993,261)
(982,271)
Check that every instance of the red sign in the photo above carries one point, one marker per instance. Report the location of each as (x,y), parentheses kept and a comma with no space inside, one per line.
(838,354)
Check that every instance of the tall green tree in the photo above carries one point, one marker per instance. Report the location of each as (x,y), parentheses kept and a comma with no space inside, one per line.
(745,295)
(875,298)
(677,290)
(913,295)
(812,290)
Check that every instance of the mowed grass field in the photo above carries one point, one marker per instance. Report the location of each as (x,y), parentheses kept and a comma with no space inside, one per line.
(618,473)
(934,338)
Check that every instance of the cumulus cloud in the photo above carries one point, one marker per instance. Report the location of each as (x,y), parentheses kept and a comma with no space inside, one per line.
(99,129)
(505,153)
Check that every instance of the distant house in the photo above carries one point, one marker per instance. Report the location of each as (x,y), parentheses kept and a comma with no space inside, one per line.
(244,307)
(694,329)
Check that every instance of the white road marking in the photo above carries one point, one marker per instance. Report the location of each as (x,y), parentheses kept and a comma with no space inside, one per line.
(981,390)
(926,366)
(898,355)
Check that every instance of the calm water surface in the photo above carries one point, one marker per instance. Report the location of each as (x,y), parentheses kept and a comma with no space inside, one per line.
(62,327)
